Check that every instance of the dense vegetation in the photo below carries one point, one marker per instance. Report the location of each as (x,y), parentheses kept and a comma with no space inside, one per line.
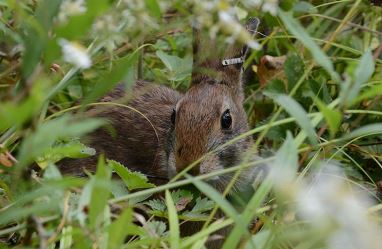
(314,106)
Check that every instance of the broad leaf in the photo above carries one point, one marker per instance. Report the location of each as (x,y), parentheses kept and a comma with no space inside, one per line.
(133,180)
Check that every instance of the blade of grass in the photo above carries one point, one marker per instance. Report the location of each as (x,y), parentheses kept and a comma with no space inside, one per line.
(173,220)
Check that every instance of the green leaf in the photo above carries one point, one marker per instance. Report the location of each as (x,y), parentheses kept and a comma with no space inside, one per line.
(223,204)
(156,204)
(78,26)
(367,130)
(120,228)
(287,4)
(100,192)
(178,68)
(52,173)
(37,143)
(295,110)
(153,8)
(297,30)
(276,86)
(173,221)
(204,233)
(73,149)
(333,117)
(121,71)
(67,238)
(158,227)
(294,69)
(16,114)
(371,92)
(46,11)
(286,159)
(249,213)
(35,35)
(180,194)
(37,201)
(202,205)
(304,7)
(362,74)
(261,239)
(133,180)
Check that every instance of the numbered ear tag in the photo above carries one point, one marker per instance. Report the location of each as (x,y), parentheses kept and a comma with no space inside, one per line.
(232,61)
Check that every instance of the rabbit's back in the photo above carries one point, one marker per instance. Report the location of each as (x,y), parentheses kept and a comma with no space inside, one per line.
(137,132)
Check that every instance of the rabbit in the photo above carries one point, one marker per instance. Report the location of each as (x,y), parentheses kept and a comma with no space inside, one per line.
(164,130)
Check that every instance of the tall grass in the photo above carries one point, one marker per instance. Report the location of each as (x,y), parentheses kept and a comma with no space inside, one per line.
(316,121)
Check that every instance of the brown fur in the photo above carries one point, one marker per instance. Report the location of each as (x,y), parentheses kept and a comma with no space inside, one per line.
(133,140)
(162,149)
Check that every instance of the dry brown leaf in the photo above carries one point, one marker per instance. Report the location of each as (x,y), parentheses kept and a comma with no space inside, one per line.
(182,203)
(270,68)
(5,160)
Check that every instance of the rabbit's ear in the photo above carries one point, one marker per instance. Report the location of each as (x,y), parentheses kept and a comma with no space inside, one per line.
(215,60)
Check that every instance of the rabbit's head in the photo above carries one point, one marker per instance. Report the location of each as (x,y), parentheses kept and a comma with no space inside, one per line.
(211,112)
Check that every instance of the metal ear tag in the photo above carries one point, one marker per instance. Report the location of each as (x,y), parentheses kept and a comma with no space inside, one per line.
(232,61)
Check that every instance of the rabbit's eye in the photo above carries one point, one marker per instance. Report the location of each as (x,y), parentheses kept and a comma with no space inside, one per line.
(226,120)
(173,116)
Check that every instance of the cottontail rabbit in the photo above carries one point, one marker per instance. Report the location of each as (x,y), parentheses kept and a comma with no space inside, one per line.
(164,131)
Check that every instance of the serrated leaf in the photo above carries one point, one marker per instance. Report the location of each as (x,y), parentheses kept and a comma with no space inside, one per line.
(133,180)
(180,194)
(158,227)
(156,204)
(202,205)
(73,149)
(295,109)
(43,138)
(333,117)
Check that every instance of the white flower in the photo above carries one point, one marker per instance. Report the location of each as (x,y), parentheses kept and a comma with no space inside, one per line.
(71,8)
(75,54)
(330,199)
(270,6)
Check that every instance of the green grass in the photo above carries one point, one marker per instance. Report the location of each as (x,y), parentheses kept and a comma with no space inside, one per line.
(318,124)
